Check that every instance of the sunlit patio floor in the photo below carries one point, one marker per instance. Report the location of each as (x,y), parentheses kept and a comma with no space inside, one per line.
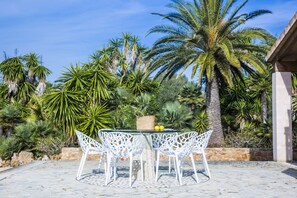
(229,179)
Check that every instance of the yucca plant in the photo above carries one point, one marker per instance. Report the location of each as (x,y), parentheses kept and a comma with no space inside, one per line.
(63,107)
(94,118)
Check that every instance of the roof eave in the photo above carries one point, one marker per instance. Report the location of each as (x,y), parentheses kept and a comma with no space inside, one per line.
(282,40)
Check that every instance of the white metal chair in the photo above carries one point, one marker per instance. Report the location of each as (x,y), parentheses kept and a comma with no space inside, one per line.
(178,147)
(200,146)
(89,146)
(121,145)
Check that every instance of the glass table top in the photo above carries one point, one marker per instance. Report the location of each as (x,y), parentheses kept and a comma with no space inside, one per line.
(141,131)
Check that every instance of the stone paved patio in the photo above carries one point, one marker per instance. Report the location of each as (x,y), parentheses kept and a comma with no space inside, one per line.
(229,179)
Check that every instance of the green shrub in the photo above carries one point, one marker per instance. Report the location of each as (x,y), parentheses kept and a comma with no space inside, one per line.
(246,139)
(201,122)
(49,146)
(8,146)
(29,136)
(175,115)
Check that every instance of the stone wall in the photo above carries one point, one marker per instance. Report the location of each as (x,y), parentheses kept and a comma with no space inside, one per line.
(239,154)
(70,153)
(213,154)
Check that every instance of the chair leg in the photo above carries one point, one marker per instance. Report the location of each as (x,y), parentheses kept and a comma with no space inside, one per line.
(194,167)
(178,169)
(100,162)
(181,168)
(115,169)
(79,167)
(105,163)
(205,164)
(83,160)
(157,165)
(141,167)
(175,169)
(130,172)
(169,165)
(107,175)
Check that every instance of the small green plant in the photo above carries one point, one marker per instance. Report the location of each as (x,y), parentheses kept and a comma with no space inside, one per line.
(7,147)
(201,122)
(49,146)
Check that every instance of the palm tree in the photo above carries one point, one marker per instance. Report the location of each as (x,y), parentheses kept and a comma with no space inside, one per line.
(36,70)
(261,88)
(191,96)
(31,62)
(209,36)
(41,72)
(13,72)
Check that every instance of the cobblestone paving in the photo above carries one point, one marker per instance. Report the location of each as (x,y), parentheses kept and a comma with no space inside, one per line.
(229,179)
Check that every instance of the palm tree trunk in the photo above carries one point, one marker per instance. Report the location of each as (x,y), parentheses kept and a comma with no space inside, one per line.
(264,107)
(214,113)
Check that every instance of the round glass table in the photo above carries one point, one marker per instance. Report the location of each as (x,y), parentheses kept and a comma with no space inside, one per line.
(148,152)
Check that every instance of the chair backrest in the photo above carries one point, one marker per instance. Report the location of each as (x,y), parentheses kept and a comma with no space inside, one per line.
(182,144)
(203,139)
(86,142)
(185,143)
(162,140)
(121,144)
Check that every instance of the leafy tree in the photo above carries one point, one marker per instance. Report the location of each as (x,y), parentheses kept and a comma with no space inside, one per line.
(209,36)
(170,90)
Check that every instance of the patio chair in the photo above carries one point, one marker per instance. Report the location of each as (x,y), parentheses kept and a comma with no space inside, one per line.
(121,145)
(200,146)
(159,142)
(89,146)
(178,147)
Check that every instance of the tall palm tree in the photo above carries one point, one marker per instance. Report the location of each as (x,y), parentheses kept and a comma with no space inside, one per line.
(32,61)
(210,37)
(41,72)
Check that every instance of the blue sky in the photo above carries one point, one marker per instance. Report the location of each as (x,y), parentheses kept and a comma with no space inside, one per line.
(69,31)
